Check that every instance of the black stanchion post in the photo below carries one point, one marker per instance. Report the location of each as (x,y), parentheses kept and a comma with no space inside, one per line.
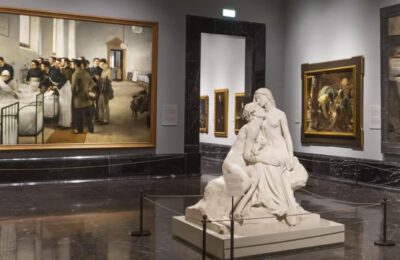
(204,249)
(141,232)
(232,233)
(383,241)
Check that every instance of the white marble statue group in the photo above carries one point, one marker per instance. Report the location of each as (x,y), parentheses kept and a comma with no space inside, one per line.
(261,159)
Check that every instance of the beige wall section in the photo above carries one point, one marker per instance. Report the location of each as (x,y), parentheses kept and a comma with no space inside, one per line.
(171,16)
(92,38)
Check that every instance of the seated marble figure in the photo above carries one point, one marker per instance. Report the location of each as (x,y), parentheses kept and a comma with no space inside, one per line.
(262,159)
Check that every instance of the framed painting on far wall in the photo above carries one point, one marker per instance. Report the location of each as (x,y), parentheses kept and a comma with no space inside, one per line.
(221,113)
(390,79)
(203,114)
(332,103)
(240,102)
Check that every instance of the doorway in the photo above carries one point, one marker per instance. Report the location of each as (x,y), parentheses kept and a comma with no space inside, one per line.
(116,64)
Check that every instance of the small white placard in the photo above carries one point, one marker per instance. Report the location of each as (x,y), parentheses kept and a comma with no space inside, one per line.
(375,117)
(169,114)
(233,184)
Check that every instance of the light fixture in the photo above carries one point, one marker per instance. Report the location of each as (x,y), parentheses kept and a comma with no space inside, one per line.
(229,13)
(123,45)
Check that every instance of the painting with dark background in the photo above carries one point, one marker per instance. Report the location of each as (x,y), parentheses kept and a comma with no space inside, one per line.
(204,114)
(240,102)
(332,102)
(221,113)
(390,81)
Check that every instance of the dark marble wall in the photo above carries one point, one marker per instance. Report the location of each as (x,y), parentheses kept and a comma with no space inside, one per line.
(255,34)
(64,169)
(349,169)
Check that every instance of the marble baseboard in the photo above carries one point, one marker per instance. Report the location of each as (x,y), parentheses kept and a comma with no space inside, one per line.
(358,171)
(64,169)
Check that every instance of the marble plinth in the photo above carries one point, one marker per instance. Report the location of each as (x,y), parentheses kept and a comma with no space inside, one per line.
(321,233)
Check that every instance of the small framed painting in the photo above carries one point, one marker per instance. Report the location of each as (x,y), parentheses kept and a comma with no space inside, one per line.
(204,114)
(240,102)
(332,103)
(221,113)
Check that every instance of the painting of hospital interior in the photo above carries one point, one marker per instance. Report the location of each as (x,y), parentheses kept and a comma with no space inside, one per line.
(70,81)
(331,102)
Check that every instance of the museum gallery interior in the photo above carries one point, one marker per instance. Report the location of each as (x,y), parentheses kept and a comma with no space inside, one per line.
(188,129)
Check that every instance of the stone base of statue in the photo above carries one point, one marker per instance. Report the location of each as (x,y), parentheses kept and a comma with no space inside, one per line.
(261,238)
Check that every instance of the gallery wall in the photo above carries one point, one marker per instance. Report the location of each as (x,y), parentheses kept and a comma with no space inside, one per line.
(171,16)
(318,31)
(221,69)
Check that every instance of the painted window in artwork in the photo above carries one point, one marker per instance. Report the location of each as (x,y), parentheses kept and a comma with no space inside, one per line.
(58,37)
(35,39)
(24,30)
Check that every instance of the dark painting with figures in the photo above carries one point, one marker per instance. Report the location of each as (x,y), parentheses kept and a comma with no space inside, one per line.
(240,102)
(390,80)
(332,100)
(221,113)
(390,85)
(68,81)
(204,114)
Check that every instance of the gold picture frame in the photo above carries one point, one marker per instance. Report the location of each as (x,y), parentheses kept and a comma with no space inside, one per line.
(332,112)
(240,102)
(221,99)
(149,117)
(203,120)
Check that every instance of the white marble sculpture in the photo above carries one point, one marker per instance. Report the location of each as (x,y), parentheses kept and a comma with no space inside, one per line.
(261,158)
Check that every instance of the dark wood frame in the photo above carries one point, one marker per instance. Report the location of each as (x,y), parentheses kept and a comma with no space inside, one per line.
(355,140)
(387,146)
(206,110)
(153,121)
(225,93)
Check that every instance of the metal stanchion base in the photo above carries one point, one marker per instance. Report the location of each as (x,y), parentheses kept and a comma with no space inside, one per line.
(385,243)
(143,233)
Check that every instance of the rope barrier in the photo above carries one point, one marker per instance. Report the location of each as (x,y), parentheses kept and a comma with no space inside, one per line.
(336,200)
(300,214)
(378,168)
(361,205)
(174,196)
(163,207)
(169,209)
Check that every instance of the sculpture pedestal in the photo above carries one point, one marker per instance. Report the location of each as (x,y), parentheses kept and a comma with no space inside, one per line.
(323,232)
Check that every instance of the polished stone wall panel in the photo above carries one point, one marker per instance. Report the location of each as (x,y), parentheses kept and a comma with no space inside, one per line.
(67,169)
(351,170)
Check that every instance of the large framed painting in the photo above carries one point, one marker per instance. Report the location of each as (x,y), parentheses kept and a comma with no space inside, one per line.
(333,103)
(240,102)
(221,113)
(203,114)
(71,81)
(390,79)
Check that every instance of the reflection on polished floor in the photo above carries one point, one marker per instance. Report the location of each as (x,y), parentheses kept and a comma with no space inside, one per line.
(92,220)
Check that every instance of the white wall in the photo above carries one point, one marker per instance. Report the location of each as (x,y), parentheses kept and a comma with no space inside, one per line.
(318,31)
(171,16)
(222,66)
